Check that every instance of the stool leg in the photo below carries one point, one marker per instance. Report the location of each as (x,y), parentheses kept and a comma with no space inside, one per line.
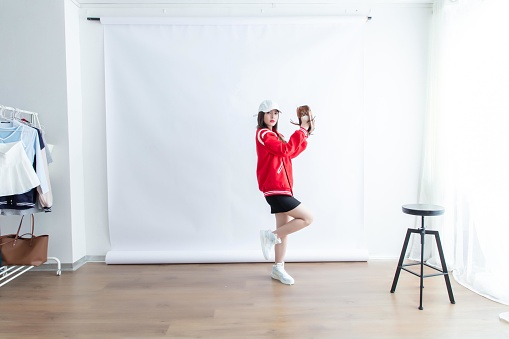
(400,262)
(423,233)
(444,268)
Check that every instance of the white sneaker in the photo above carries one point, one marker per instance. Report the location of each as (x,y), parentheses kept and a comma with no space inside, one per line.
(279,273)
(268,240)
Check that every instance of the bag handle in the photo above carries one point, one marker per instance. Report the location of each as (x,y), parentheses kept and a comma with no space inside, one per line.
(19,228)
(7,242)
(23,236)
(13,241)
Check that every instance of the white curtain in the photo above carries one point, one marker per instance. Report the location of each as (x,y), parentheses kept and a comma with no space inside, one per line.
(180,98)
(465,163)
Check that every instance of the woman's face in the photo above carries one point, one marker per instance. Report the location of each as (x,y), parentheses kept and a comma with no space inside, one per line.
(271,118)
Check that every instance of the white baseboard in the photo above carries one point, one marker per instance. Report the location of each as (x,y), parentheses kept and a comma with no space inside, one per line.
(101,258)
(50,266)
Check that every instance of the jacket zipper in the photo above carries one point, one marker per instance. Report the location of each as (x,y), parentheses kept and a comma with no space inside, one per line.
(287,178)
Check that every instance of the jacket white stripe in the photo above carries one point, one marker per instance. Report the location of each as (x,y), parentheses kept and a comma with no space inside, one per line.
(306,133)
(280,167)
(277,193)
(261,135)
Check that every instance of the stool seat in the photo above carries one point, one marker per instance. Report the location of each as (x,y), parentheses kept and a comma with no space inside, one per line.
(423,210)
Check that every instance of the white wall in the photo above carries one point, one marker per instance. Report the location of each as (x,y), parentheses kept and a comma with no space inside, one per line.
(395,79)
(33,77)
(395,71)
(75,126)
(42,76)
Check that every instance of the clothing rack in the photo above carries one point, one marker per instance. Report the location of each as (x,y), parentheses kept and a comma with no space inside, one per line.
(16,114)
(9,273)
(14,109)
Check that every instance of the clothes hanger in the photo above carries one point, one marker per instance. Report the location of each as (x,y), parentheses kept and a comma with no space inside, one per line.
(12,121)
(3,117)
(16,115)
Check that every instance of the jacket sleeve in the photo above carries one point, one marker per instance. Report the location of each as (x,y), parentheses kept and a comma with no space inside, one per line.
(300,149)
(274,145)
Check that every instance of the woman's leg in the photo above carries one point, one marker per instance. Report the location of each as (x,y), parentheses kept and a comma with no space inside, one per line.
(280,249)
(286,225)
(302,217)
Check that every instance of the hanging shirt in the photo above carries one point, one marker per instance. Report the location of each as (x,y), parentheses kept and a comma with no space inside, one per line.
(16,131)
(17,173)
(39,199)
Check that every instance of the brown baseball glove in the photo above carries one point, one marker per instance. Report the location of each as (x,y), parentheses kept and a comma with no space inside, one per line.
(305,111)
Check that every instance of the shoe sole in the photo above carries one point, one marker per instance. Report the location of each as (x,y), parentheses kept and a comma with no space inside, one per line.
(282,282)
(263,241)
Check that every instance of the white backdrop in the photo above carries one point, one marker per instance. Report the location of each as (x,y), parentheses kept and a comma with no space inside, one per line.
(180,98)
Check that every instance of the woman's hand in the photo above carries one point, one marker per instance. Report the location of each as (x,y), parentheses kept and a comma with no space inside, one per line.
(306,118)
(305,122)
(311,127)
(308,122)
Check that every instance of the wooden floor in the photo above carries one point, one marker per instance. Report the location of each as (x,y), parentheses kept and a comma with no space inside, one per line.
(329,300)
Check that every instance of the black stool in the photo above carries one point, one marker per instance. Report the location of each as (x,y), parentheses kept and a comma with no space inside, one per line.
(424,211)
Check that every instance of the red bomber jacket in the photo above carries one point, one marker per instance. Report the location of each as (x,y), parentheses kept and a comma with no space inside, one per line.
(274,168)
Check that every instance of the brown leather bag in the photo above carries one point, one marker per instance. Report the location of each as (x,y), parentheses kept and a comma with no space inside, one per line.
(26,249)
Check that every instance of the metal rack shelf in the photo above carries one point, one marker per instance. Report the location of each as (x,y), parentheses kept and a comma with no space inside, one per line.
(8,273)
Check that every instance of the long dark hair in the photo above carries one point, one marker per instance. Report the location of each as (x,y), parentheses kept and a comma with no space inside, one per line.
(261,124)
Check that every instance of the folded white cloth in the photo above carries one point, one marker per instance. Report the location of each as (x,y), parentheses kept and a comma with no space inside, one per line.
(17,173)
(504,316)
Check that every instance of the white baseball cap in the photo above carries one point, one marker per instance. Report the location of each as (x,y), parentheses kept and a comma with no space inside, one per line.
(267,106)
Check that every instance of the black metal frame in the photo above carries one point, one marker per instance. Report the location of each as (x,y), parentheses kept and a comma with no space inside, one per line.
(422,231)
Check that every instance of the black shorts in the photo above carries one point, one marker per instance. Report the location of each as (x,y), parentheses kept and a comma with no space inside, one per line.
(281,203)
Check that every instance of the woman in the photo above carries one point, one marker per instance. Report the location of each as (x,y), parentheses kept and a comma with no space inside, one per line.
(275,180)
